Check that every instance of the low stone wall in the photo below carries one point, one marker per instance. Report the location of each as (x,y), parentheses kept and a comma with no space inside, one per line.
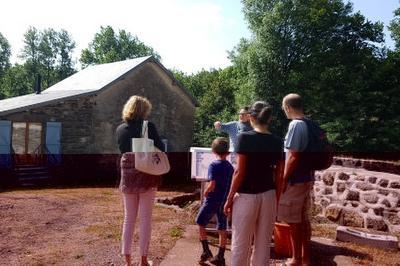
(372,165)
(359,198)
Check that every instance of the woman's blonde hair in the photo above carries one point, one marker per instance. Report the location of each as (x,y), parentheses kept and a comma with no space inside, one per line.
(136,108)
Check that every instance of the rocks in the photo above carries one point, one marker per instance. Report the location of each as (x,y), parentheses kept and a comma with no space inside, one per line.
(383,191)
(333,213)
(354,204)
(371,198)
(352,195)
(377,224)
(349,197)
(386,203)
(383,182)
(325,202)
(395,185)
(343,176)
(364,186)
(327,191)
(340,187)
(328,178)
(378,211)
(351,218)
(393,218)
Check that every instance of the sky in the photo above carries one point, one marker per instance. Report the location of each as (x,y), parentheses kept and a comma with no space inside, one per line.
(190,35)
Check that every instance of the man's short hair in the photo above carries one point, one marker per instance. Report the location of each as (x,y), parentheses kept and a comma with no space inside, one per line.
(220,146)
(294,101)
(245,108)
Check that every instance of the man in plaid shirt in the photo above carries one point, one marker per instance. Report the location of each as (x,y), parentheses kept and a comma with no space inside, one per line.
(234,128)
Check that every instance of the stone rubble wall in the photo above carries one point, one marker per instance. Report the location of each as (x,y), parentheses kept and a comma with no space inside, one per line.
(357,197)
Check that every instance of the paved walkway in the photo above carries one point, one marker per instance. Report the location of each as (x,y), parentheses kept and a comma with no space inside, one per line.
(187,250)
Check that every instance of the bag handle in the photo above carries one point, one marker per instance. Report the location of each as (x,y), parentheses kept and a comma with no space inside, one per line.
(145,129)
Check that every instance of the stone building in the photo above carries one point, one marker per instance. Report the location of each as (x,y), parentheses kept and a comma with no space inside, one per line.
(79,115)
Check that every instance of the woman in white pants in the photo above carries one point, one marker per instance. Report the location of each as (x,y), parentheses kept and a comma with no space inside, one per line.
(252,198)
(138,189)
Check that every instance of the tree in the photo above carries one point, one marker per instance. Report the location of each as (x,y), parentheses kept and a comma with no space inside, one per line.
(322,50)
(17,81)
(215,91)
(66,46)
(49,54)
(394,27)
(5,54)
(107,47)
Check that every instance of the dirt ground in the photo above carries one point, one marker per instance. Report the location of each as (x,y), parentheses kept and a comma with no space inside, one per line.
(82,226)
(79,226)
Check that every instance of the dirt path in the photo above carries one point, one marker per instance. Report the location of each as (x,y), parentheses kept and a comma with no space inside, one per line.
(74,227)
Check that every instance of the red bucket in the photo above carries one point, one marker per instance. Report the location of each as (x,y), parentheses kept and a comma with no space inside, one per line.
(282,240)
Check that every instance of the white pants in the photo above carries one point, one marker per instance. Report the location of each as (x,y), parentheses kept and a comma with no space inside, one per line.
(134,203)
(253,215)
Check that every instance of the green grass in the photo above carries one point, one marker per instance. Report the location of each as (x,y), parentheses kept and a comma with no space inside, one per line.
(176,232)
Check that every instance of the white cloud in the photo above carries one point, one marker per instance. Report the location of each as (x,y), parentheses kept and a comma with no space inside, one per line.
(189,35)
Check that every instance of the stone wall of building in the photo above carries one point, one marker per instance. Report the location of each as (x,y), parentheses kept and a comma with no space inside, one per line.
(358,197)
(172,113)
(75,116)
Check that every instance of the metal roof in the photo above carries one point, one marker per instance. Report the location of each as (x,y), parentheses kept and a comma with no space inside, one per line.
(88,81)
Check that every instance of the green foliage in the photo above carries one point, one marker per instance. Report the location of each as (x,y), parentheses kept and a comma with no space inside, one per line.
(214,90)
(48,53)
(328,54)
(5,54)
(107,47)
(395,28)
(17,81)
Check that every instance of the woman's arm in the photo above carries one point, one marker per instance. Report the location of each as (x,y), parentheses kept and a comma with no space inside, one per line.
(237,180)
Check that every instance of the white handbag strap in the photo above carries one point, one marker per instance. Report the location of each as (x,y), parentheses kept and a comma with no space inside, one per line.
(145,129)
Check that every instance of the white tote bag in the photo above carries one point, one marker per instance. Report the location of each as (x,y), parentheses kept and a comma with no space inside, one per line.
(150,160)
(143,144)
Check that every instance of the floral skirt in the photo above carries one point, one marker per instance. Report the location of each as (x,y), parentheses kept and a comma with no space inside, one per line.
(132,180)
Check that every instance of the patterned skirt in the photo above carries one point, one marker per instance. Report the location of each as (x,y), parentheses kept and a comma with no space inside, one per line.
(132,180)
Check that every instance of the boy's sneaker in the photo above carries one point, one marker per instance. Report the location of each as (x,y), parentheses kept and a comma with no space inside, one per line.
(218,260)
(205,256)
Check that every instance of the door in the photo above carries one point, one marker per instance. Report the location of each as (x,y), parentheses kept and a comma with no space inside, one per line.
(5,144)
(27,142)
(53,142)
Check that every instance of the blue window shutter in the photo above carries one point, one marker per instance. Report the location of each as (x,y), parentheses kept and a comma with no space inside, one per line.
(5,144)
(53,141)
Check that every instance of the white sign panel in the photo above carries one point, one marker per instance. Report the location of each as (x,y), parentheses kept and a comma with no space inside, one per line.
(201,159)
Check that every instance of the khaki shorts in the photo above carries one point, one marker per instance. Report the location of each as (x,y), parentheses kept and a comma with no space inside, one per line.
(294,204)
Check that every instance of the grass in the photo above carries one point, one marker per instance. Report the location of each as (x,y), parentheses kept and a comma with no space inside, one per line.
(176,232)
(107,230)
(360,254)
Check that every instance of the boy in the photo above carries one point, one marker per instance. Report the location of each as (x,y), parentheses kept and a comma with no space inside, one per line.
(220,174)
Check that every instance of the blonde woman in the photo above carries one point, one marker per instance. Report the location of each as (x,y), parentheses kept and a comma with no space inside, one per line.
(138,189)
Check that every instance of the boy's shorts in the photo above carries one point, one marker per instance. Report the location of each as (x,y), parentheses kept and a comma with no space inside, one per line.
(208,210)
(294,203)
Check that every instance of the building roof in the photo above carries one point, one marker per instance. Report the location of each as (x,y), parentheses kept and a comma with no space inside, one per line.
(90,80)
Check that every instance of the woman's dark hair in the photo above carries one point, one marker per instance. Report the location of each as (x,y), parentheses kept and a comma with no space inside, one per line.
(262,112)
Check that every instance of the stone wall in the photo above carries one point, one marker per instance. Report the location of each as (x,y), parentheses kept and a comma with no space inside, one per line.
(358,197)
(75,116)
(172,112)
